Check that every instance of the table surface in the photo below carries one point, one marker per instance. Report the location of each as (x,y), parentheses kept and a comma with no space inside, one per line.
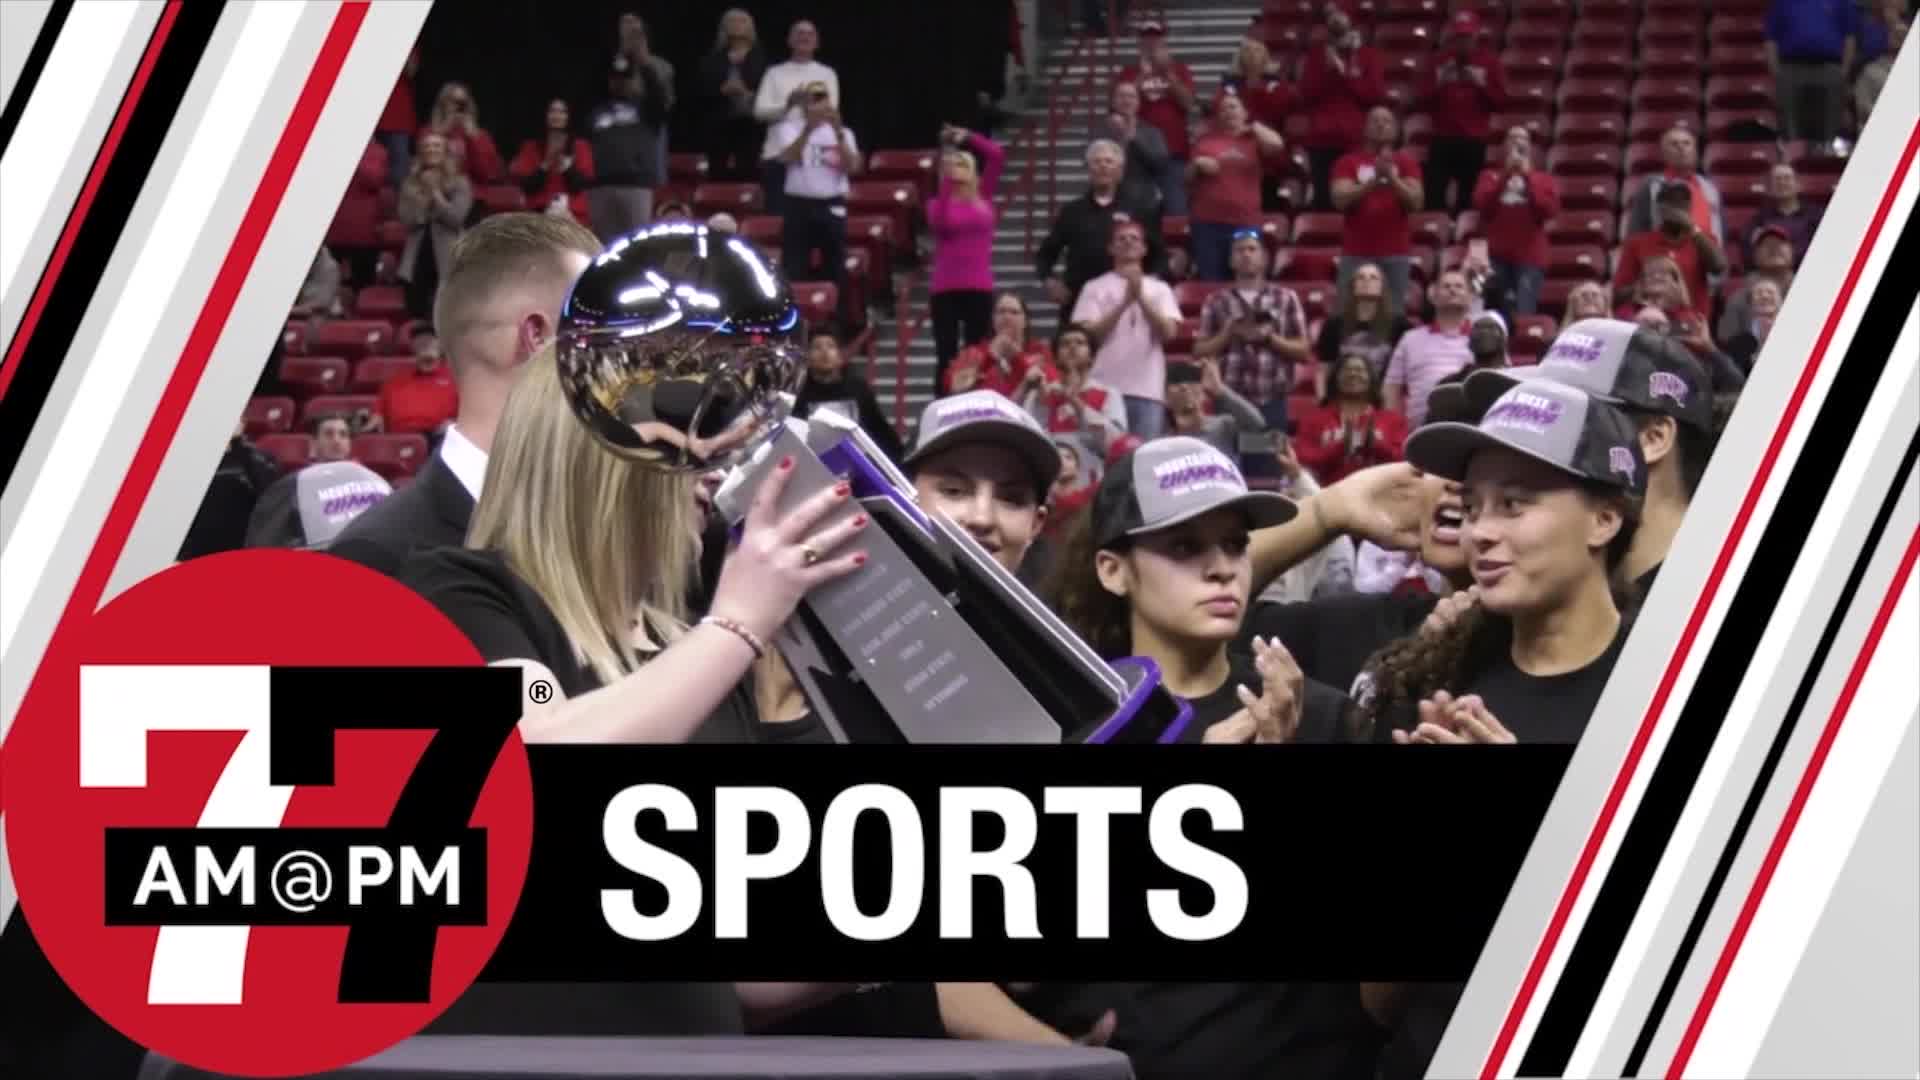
(491,1057)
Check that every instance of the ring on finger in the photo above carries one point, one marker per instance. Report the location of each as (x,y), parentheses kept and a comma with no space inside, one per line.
(809,556)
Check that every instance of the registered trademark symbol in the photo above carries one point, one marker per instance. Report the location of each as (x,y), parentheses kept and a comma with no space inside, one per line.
(541,691)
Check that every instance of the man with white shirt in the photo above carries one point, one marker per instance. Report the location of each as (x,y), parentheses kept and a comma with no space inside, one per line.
(782,94)
(820,154)
(499,303)
(1131,314)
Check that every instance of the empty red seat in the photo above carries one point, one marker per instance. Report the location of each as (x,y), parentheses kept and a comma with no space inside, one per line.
(1672,32)
(861,284)
(1599,62)
(1581,227)
(1737,60)
(356,223)
(1592,95)
(1743,189)
(371,373)
(404,334)
(1534,33)
(1418,11)
(763,229)
(686,168)
(1577,261)
(1176,231)
(875,233)
(347,405)
(1564,161)
(1723,124)
(1818,186)
(1533,93)
(268,415)
(1805,161)
(1431,228)
(739,200)
(391,455)
(1644,158)
(1310,263)
(1652,125)
(1544,10)
(1607,11)
(1738,29)
(1319,229)
(1740,92)
(391,236)
(307,376)
(1404,39)
(350,338)
(1316,297)
(1736,158)
(500,199)
(1658,62)
(383,302)
(293,337)
(1532,63)
(1193,295)
(291,450)
(1589,129)
(817,300)
(1532,334)
(1276,228)
(1553,294)
(1602,34)
(1288,12)
(1403,65)
(1534,120)
(1666,95)
(1589,193)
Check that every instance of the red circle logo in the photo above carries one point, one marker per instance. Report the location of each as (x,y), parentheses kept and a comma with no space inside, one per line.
(267,813)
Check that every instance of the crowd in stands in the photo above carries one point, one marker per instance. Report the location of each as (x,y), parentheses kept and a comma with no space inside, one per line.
(1362,249)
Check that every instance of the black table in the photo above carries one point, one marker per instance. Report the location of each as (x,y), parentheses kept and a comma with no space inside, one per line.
(497,1057)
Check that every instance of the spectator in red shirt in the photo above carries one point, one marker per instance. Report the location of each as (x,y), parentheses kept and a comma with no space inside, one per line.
(1515,200)
(1378,188)
(1010,362)
(399,120)
(422,401)
(555,170)
(457,120)
(1678,236)
(1166,102)
(1339,82)
(1269,97)
(1462,88)
(1351,430)
(1224,178)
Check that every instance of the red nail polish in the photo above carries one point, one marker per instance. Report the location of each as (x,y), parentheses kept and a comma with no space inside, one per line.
(786,463)
(842,490)
(860,522)
(860,558)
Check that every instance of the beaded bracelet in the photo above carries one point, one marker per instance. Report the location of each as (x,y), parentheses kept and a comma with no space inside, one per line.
(752,639)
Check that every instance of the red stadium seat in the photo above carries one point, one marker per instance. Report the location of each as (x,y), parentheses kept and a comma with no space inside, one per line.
(1652,125)
(1403,66)
(391,455)
(391,236)
(1431,228)
(1739,221)
(1317,297)
(1553,295)
(1544,10)
(1743,190)
(897,199)
(1589,129)
(293,337)
(1666,95)
(1670,32)
(1581,227)
(861,285)
(1738,29)
(1592,95)
(1806,162)
(1417,11)
(1534,94)
(347,405)
(1644,158)
(1310,263)
(1315,229)
(1176,232)
(1591,34)
(1417,133)
(1532,334)
(1534,120)
(290,451)
(1735,158)
(1193,295)
(817,300)
(689,169)
(739,200)
(1532,63)
(1581,261)
(1568,161)
(1738,61)
(307,376)
(1589,193)
(1740,92)
(369,374)
(1722,124)
(1288,12)
(356,223)
(875,233)
(1275,228)
(383,302)
(1656,62)
(1181,343)
(268,416)
(500,199)
(403,339)
(763,229)
(1600,62)
(1404,39)
(1529,33)
(1607,11)
(350,338)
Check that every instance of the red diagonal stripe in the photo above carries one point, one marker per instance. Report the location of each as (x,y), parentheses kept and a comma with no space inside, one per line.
(1564,909)
(1792,817)
(78,215)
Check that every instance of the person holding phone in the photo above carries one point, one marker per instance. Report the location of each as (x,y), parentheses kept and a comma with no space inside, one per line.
(1678,236)
(821,156)
(961,219)
(1256,330)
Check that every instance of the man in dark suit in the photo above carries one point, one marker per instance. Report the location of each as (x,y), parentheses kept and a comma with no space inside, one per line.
(499,303)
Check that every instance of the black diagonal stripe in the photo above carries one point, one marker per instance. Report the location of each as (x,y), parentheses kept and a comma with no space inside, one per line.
(1748,616)
(30,74)
(100,230)
(1764,780)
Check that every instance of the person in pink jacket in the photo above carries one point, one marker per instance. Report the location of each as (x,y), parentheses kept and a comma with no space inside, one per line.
(961,219)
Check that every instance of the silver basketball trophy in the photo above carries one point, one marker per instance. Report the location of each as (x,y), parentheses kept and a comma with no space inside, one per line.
(681,349)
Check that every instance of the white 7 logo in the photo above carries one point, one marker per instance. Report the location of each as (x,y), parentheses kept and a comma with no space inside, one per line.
(119,706)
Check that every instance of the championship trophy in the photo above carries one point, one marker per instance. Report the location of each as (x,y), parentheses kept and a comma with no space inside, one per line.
(680,350)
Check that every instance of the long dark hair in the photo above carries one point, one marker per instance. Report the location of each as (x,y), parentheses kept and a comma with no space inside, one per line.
(1332,393)
(1413,668)
(1381,324)
(1073,590)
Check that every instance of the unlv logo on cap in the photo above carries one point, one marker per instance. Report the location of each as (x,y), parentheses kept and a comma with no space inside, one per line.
(1620,460)
(1665,384)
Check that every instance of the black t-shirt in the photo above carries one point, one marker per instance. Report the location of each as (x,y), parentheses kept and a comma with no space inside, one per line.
(1322,710)
(1229,1031)
(1644,583)
(1332,637)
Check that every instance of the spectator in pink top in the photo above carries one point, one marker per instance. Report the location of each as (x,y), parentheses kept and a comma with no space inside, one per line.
(1427,354)
(961,219)
(1130,315)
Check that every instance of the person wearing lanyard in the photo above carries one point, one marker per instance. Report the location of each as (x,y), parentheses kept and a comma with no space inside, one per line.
(820,154)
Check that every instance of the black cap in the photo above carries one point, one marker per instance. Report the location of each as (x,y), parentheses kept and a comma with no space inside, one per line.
(1547,421)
